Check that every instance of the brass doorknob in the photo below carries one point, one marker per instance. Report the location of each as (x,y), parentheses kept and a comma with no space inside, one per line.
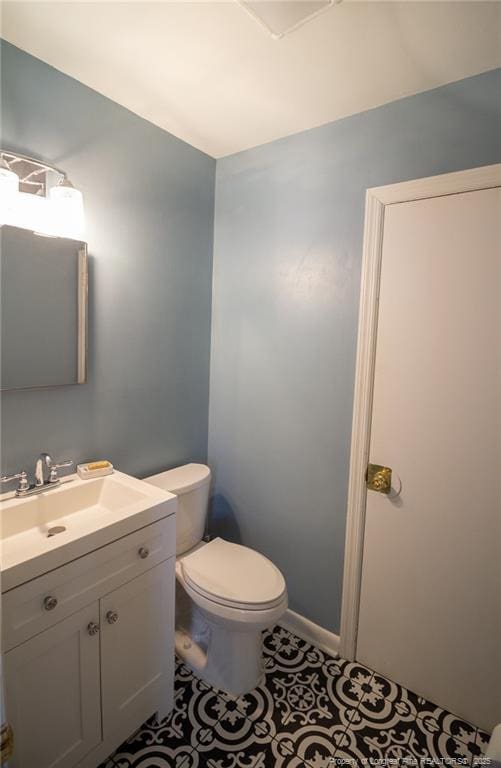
(378,478)
(112,617)
(6,743)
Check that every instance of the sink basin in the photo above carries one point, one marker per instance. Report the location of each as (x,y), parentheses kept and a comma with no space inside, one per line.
(71,504)
(83,514)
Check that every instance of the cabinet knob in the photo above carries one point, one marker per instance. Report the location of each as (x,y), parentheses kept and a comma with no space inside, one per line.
(143,553)
(50,603)
(92,628)
(112,617)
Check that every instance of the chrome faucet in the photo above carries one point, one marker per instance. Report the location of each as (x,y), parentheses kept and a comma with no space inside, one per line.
(46,476)
(43,462)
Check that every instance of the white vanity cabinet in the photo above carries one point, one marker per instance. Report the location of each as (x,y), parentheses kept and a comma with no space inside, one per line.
(137,652)
(89,650)
(53,694)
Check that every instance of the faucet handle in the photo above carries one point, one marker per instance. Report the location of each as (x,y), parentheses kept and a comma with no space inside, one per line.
(21,476)
(53,476)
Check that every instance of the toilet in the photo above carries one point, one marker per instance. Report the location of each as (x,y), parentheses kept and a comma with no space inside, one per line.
(226,594)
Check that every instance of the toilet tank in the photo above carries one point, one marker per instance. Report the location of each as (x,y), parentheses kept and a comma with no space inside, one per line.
(191,484)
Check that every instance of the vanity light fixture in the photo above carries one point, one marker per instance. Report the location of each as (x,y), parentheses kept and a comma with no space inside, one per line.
(39,197)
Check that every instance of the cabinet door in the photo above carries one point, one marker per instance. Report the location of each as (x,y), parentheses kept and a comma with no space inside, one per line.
(137,651)
(53,695)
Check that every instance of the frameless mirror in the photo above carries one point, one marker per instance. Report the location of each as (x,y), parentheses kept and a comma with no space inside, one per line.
(43,309)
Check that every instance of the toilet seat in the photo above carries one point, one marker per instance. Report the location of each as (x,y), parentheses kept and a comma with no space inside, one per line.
(234,576)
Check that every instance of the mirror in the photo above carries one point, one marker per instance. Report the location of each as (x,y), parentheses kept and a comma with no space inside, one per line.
(43,309)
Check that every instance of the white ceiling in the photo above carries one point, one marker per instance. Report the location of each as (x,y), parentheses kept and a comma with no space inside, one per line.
(212,75)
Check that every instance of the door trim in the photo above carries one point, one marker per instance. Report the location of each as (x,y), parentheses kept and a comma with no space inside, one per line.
(377,198)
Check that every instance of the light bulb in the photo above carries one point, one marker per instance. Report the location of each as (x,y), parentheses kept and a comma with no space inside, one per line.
(67,210)
(32,212)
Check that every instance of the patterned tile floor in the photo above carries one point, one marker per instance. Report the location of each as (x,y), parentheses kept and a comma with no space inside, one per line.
(312,711)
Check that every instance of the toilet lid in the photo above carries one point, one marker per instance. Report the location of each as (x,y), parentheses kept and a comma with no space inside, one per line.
(233,575)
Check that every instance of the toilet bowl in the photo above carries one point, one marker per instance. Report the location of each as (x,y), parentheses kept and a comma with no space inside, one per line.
(226,594)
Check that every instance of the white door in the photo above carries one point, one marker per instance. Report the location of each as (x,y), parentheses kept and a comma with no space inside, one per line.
(53,696)
(137,651)
(430,612)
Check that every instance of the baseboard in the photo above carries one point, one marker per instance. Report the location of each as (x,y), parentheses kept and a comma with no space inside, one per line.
(311,632)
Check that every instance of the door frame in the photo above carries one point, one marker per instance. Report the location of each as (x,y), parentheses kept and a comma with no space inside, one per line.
(377,198)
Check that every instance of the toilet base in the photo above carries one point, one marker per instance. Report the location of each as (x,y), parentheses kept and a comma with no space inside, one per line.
(234,664)
(220,653)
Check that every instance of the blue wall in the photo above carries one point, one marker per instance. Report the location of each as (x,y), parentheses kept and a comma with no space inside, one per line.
(149,201)
(288,244)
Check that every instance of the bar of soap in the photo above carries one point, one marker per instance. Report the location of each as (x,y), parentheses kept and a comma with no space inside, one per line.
(98,465)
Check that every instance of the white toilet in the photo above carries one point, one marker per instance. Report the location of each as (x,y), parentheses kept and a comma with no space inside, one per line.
(226,594)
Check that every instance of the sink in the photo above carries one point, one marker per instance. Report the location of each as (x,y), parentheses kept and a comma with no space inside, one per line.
(73,504)
(41,532)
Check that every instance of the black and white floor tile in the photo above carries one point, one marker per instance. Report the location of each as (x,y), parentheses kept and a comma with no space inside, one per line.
(311,711)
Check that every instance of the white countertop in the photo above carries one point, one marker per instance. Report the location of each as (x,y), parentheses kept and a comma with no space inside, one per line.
(94,513)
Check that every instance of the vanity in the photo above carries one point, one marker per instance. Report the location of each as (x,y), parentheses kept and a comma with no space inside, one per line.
(87,565)
(87,578)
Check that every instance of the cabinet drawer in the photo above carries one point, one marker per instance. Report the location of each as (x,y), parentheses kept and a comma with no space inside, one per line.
(37,605)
